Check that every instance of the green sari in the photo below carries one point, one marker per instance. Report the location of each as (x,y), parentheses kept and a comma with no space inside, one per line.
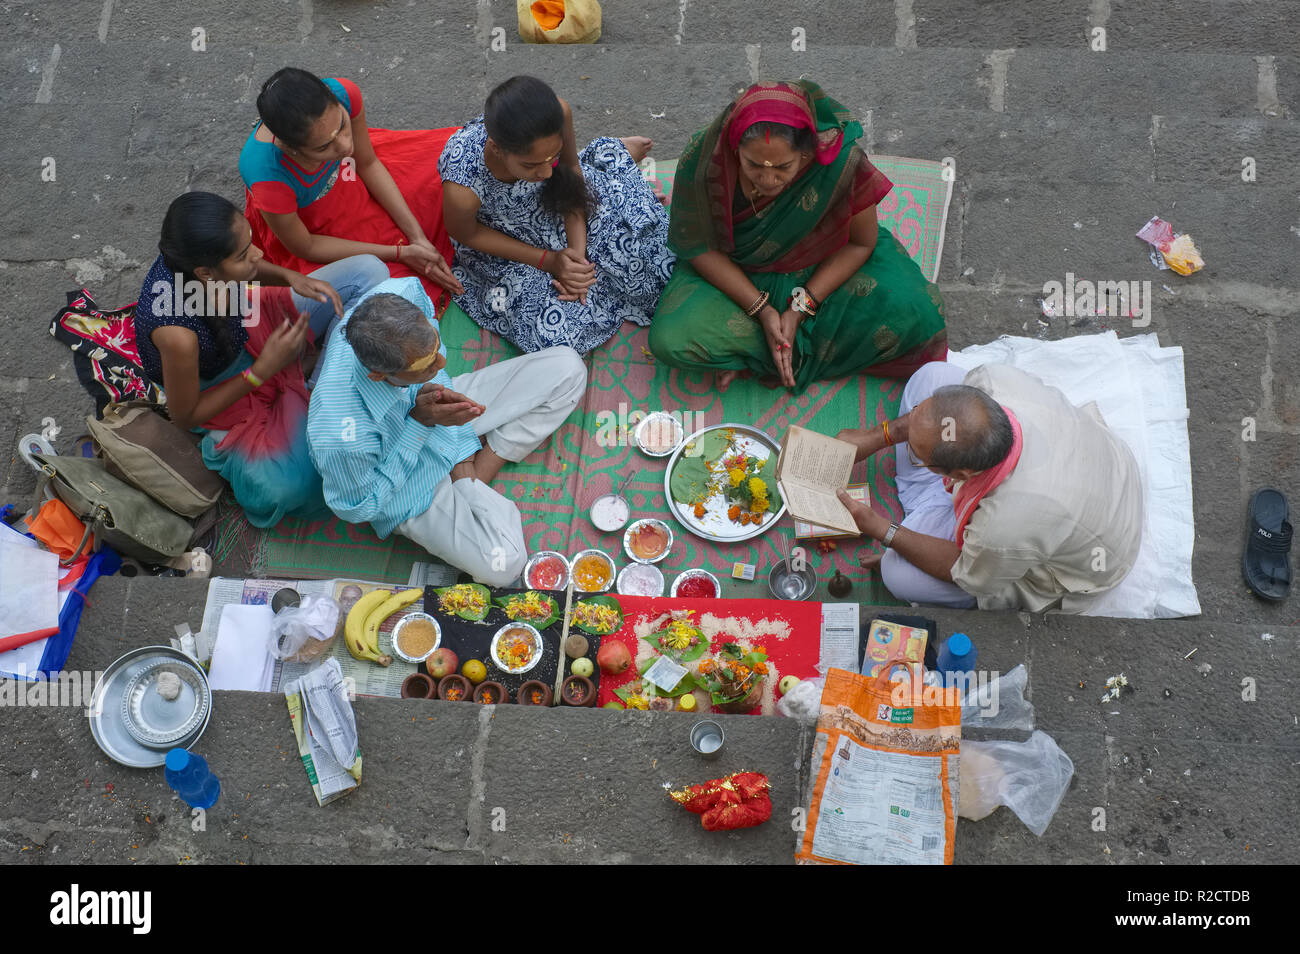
(885,320)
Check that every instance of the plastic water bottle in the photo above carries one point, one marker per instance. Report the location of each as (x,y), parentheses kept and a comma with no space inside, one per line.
(956,659)
(190,778)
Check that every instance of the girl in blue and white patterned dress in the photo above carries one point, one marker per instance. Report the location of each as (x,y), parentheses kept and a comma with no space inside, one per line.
(553,246)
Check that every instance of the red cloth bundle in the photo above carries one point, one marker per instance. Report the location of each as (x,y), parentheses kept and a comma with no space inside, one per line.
(739,800)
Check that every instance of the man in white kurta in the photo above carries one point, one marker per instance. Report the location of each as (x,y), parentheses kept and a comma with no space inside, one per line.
(1063,526)
(401,444)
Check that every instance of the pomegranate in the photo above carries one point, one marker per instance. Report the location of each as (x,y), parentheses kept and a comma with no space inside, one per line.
(613,657)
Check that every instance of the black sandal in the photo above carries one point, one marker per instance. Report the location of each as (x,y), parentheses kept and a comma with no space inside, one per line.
(1266,564)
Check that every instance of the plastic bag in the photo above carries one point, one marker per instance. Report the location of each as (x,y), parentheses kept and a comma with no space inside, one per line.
(804,701)
(304,633)
(558,21)
(1000,704)
(1030,778)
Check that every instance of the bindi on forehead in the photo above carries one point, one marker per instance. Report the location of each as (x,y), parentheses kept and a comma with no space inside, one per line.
(328,122)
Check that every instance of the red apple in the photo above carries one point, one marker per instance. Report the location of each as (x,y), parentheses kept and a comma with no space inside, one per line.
(443,662)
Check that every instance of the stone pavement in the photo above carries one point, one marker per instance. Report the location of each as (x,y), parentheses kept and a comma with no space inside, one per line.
(1062,152)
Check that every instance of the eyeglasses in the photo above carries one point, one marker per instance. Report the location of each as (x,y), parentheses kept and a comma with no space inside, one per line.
(912,457)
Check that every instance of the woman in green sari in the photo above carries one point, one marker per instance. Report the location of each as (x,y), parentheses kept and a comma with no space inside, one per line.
(782,269)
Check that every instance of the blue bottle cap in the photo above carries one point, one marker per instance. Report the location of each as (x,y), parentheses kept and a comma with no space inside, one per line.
(178,760)
(959,644)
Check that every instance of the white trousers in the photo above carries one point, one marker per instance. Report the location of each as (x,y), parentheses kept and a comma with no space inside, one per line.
(927,506)
(469,525)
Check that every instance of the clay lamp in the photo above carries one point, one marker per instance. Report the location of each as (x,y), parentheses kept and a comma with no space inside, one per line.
(534,693)
(578,691)
(490,694)
(455,688)
(418,686)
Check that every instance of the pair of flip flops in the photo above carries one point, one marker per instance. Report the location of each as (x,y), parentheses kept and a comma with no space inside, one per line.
(1266,564)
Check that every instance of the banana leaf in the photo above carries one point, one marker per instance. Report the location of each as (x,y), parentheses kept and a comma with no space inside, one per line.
(553,608)
(690,480)
(602,600)
(687,684)
(479,588)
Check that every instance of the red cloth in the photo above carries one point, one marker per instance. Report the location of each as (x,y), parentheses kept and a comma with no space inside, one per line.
(263,422)
(967,497)
(348,210)
(725,804)
(797,655)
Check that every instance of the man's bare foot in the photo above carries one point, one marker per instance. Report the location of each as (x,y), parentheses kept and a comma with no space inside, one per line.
(724,378)
(637,146)
(871,560)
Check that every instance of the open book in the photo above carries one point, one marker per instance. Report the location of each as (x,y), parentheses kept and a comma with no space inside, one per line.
(803,530)
(810,469)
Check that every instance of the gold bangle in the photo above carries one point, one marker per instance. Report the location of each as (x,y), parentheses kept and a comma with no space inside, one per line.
(248,375)
(889,441)
(758,305)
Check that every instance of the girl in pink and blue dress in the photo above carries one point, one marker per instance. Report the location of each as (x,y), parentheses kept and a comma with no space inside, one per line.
(323,186)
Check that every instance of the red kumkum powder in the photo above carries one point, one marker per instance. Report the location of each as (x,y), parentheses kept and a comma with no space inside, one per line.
(697,588)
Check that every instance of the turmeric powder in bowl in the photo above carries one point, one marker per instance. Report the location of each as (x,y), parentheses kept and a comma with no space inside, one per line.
(592,572)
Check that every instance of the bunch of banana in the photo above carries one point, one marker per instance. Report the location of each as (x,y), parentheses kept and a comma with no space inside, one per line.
(361,631)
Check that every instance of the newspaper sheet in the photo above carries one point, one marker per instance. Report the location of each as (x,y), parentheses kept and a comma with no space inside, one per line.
(368,678)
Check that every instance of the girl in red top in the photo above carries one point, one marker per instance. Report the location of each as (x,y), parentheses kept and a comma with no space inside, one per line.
(323,186)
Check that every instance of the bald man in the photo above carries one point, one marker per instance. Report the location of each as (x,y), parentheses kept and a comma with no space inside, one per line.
(1013,498)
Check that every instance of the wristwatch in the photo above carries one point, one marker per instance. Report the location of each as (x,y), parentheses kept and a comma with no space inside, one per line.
(888,538)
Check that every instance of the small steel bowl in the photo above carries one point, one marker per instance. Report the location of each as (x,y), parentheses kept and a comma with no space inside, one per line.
(707,738)
(782,577)
(537,558)
(649,570)
(609,527)
(659,423)
(397,630)
(285,597)
(632,531)
(537,647)
(696,574)
(609,562)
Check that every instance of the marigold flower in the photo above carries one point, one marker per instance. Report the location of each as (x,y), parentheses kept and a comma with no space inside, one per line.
(760,504)
(736,475)
(757,487)
(760,667)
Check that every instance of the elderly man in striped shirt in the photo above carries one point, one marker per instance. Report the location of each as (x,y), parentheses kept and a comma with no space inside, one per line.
(401,444)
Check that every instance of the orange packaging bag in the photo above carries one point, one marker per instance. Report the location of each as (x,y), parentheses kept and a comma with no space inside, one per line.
(885,769)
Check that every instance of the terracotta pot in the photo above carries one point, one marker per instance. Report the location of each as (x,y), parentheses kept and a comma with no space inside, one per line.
(418,686)
(460,683)
(497,691)
(588,688)
(524,697)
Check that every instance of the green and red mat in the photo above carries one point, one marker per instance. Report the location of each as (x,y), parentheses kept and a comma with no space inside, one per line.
(593,449)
